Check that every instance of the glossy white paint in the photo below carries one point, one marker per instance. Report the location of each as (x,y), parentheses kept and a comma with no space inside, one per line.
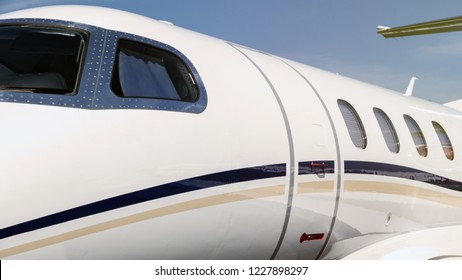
(261,110)
(436,243)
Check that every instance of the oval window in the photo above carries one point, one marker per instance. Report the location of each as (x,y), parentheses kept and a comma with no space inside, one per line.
(388,130)
(354,125)
(417,136)
(444,139)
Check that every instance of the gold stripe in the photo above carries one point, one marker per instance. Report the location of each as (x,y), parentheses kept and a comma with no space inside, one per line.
(404,190)
(315,187)
(167,210)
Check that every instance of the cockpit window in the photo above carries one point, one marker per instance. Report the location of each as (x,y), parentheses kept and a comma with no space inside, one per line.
(40,59)
(143,71)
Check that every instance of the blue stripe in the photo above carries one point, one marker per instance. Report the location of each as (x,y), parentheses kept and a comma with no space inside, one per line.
(391,170)
(224,178)
(179,187)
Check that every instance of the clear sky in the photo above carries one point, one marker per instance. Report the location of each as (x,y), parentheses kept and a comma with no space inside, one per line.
(335,35)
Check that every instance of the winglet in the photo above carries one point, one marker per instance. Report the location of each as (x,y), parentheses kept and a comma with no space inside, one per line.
(410,87)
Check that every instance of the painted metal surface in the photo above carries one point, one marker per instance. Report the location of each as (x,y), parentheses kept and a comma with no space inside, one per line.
(261,166)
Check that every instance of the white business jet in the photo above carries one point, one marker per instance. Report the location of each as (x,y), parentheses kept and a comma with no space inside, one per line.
(123,137)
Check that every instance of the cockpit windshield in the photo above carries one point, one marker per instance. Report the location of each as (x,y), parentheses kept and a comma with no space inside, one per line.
(40,59)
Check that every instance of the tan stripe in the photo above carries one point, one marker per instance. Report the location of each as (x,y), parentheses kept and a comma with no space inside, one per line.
(404,190)
(168,210)
(316,187)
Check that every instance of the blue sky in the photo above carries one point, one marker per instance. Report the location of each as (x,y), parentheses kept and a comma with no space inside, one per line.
(335,35)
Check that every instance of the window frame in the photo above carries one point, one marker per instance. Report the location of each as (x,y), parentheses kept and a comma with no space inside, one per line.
(109,100)
(84,93)
(141,51)
(82,53)
(444,140)
(93,90)
(353,123)
(388,130)
(417,134)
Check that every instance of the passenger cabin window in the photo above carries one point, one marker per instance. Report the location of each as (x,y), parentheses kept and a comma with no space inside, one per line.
(417,136)
(354,125)
(388,130)
(40,59)
(444,139)
(144,71)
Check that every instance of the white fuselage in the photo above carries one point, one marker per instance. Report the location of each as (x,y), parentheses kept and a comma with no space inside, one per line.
(266,169)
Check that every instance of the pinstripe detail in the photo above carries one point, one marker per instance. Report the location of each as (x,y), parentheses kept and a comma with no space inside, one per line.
(149,194)
(151,214)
